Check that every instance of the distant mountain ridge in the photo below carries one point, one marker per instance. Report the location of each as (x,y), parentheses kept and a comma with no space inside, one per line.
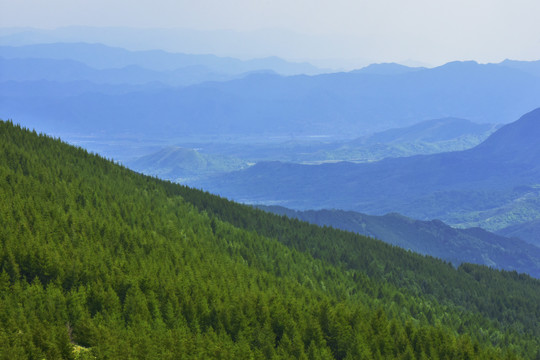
(433,238)
(32,69)
(515,141)
(429,131)
(387,69)
(531,67)
(103,57)
(529,231)
(263,104)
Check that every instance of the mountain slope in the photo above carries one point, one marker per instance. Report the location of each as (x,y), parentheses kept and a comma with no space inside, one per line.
(516,142)
(108,263)
(486,183)
(529,231)
(432,238)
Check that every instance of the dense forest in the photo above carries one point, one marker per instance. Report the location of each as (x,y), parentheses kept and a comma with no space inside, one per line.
(99,262)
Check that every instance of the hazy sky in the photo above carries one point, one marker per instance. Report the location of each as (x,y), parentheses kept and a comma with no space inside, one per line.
(428,31)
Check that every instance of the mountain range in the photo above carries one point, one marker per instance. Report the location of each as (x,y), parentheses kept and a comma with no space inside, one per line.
(341,105)
(429,131)
(100,56)
(493,185)
(31,69)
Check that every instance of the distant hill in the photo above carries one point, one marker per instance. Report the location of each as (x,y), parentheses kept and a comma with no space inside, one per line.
(529,231)
(33,69)
(181,164)
(433,238)
(425,137)
(387,69)
(490,185)
(515,142)
(531,67)
(104,57)
(340,105)
(435,130)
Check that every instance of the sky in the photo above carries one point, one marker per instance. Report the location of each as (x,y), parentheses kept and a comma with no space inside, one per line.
(428,32)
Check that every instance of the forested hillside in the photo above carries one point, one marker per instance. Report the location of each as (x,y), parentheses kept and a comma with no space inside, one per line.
(100,262)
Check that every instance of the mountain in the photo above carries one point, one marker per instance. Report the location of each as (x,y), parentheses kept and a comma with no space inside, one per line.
(179,164)
(100,262)
(435,130)
(531,67)
(32,69)
(340,105)
(515,142)
(529,231)
(262,43)
(493,184)
(433,238)
(104,57)
(387,69)
(425,137)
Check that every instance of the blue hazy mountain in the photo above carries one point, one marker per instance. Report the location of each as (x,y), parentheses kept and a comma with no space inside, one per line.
(387,69)
(103,57)
(36,69)
(433,238)
(340,104)
(529,231)
(178,164)
(531,67)
(44,90)
(435,130)
(494,184)
(256,44)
